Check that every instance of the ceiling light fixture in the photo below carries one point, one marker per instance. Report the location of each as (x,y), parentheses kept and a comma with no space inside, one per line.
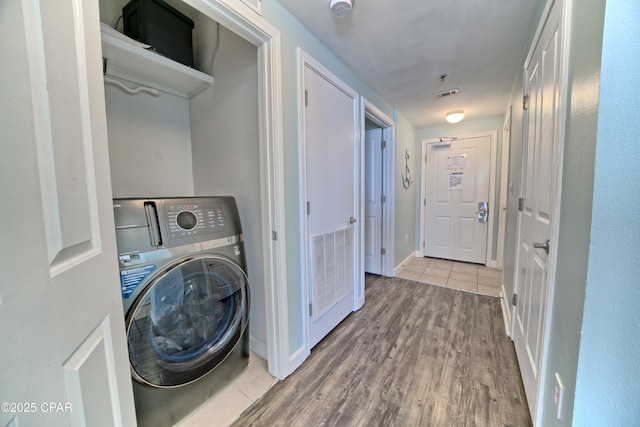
(340,8)
(454,116)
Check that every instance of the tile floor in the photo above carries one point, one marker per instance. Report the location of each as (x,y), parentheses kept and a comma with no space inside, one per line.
(452,274)
(227,405)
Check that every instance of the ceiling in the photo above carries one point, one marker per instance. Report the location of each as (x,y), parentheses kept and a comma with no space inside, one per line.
(402,47)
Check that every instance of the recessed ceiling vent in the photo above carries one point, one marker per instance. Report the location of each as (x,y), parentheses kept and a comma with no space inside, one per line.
(446,93)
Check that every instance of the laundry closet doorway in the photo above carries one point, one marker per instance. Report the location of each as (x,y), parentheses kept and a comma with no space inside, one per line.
(221,140)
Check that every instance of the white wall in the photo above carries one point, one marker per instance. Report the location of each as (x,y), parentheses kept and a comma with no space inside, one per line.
(608,377)
(149,144)
(224,121)
(406,242)
(149,137)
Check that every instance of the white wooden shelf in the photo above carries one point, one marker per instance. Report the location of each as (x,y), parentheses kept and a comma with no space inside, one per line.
(138,65)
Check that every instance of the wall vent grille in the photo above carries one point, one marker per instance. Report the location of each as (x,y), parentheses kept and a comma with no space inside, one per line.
(332,269)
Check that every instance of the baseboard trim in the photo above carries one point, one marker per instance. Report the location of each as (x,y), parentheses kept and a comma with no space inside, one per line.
(258,347)
(404,262)
(506,310)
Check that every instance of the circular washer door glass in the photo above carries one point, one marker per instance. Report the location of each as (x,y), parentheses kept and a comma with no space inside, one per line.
(187,320)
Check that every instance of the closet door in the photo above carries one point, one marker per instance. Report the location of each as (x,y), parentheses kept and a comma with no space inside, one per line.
(330,164)
(538,192)
(64,349)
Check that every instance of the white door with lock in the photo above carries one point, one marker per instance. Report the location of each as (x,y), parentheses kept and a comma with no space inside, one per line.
(456,205)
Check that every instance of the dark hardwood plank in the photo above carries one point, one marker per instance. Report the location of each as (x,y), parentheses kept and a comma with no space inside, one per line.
(414,355)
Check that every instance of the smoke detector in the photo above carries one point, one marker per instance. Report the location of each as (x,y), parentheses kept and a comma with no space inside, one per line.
(340,8)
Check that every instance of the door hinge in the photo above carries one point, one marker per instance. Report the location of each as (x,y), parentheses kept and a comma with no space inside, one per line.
(424,245)
(521,204)
(308,208)
(310,310)
(514,299)
(424,202)
(306,97)
(274,236)
(383,144)
(525,102)
(383,251)
(383,199)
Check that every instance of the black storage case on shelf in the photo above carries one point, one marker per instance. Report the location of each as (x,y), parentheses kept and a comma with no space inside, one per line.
(159,25)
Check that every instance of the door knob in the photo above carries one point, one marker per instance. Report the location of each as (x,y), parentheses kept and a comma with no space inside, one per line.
(352,220)
(544,245)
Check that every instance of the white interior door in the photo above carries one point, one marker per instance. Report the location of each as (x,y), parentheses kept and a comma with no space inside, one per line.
(537,193)
(373,201)
(330,162)
(457,199)
(64,349)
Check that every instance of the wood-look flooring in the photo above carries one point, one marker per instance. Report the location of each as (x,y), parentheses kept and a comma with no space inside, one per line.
(414,355)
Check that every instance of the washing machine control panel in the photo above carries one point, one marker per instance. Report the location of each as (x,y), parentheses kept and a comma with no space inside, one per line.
(191,219)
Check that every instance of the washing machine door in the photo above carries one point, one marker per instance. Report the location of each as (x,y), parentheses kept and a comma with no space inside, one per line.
(187,320)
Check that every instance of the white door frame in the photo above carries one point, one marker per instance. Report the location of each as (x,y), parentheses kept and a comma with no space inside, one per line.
(306,60)
(565,19)
(492,191)
(371,112)
(246,23)
(504,183)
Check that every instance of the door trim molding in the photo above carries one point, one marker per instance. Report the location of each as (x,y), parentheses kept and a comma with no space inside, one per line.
(370,111)
(504,184)
(492,191)
(304,60)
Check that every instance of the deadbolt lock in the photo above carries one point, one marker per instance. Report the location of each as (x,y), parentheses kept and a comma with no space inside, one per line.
(483,211)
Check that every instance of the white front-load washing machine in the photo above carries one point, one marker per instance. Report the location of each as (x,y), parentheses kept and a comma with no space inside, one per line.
(186,301)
